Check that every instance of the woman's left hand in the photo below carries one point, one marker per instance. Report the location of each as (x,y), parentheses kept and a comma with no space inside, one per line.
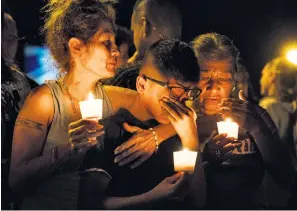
(246,114)
(137,149)
(183,119)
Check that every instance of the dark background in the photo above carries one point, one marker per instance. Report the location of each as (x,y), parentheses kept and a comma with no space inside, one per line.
(260,29)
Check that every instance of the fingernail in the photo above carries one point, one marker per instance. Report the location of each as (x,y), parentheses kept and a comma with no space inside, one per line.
(116,151)
(116,160)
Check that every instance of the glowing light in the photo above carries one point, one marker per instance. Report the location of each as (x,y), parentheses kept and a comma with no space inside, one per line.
(184,160)
(91,97)
(91,108)
(229,127)
(292,56)
(228,120)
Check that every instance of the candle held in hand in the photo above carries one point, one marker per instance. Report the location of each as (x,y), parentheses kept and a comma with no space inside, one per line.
(91,108)
(228,127)
(184,160)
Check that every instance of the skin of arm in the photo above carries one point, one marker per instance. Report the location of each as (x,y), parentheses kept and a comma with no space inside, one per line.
(92,194)
(164,132)
(28,162)
(128,99)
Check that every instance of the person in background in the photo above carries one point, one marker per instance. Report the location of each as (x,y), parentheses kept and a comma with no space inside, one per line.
(124,41)
(45,157)
(234,169)
(167,78)
(279,88)
(151,21)
(14,90)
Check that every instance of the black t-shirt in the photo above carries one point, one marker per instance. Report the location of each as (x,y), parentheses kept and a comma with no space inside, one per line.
(126,181)
(233,184)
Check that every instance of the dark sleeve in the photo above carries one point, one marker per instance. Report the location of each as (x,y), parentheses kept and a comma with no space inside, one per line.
(101,157)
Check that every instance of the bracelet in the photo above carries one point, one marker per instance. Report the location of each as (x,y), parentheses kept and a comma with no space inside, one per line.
(156,140)
(55,157)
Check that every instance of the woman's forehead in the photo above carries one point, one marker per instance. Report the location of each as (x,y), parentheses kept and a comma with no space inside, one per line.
(221,65)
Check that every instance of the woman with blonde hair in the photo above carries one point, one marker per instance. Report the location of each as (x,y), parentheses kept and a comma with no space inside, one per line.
(50,136)
(279,88)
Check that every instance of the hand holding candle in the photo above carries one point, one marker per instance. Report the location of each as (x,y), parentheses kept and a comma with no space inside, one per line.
(184,160)
(228,127)
(83,132)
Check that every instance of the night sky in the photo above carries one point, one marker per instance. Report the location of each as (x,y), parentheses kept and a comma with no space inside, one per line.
(259,28)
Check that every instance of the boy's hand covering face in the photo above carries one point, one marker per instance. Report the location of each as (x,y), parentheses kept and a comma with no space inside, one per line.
(183,120)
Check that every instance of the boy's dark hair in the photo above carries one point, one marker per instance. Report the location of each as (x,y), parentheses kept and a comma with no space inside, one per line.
(175,59)
(124,35)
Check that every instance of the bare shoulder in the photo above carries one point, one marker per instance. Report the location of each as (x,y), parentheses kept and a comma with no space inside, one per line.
(119,91)
(38,105)
(121,97)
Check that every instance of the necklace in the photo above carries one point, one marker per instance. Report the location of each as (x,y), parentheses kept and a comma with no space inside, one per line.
(76,114)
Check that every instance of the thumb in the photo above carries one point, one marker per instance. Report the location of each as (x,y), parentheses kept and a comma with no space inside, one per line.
(176,177)
(182,179)
(130,129)
(213,134)
(242,96)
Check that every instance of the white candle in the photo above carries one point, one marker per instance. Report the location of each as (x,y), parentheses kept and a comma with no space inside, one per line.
(228,127)
(184,160)
(91,108)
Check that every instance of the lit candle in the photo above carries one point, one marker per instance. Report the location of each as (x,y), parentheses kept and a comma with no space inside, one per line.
(184,160)
(91,108)
(228,127)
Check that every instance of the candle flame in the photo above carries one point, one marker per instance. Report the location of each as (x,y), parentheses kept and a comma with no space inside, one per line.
(90,96)
(185,150)
(292,56)
(228,120)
